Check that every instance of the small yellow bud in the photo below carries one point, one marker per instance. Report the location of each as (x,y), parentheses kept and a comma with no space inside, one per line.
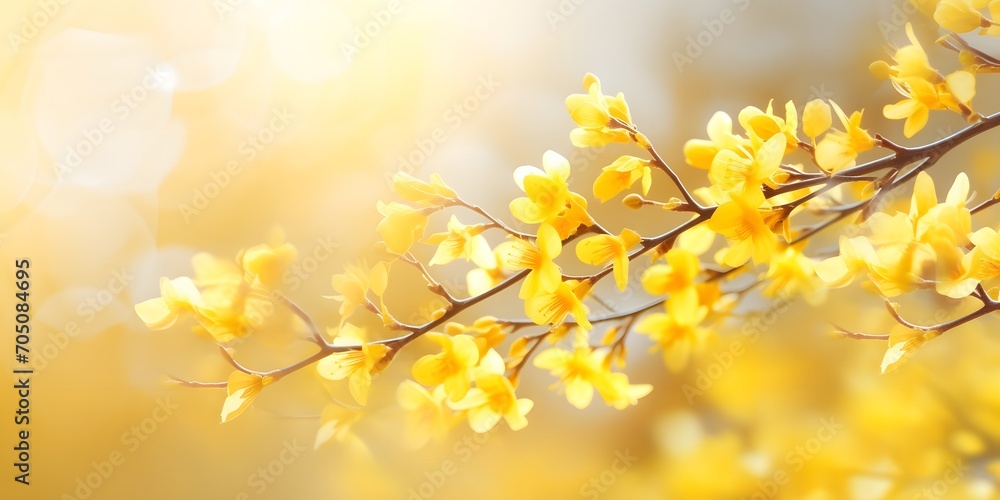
(633,201)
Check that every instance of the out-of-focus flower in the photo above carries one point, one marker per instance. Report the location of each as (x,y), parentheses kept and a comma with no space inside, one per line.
(354,284)
(793,273)
(401,225)
(984,260)
(583,370)
(903,342)
(677,332)
(177,296)
(596,250)
(838,150)
(481,279)
(856,255)
(336,424)
(578,370)
(267,262)
(427,416)
(449,367)
(493,398)
(359,364)
(414,190)
(241,389)
(676,276)
(593,113)
(959,16)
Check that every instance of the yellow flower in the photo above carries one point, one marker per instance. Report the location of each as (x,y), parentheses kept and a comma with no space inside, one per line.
(481,279)
(921,96)
(449,367)
(229,310)
(676,276)
(676,332)
(177,296)
(427,417)
(915,109)
(616,390)
(575,215)
(583,370)
(620,176)
(741,221)
(267,262)
(698,239)
(602,248)
(401,225)
(911,62)
(794,273)
(903,342)
(578,370)
(856,255)
(487,333)
(731,170)
(545,275)
(413,190)
(959,16)
(593,112)
(493,398)
(548,192)
(984,260)
(461,241)
(241,389)
(994,29)
(763,125)
(353,286)
(359,364)
(839,150)
(551,308)
(699,153)
(816,118)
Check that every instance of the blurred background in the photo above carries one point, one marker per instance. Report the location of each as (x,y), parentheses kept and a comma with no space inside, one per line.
(134,134)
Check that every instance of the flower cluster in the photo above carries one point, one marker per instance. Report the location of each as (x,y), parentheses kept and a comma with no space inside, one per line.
(768,191)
